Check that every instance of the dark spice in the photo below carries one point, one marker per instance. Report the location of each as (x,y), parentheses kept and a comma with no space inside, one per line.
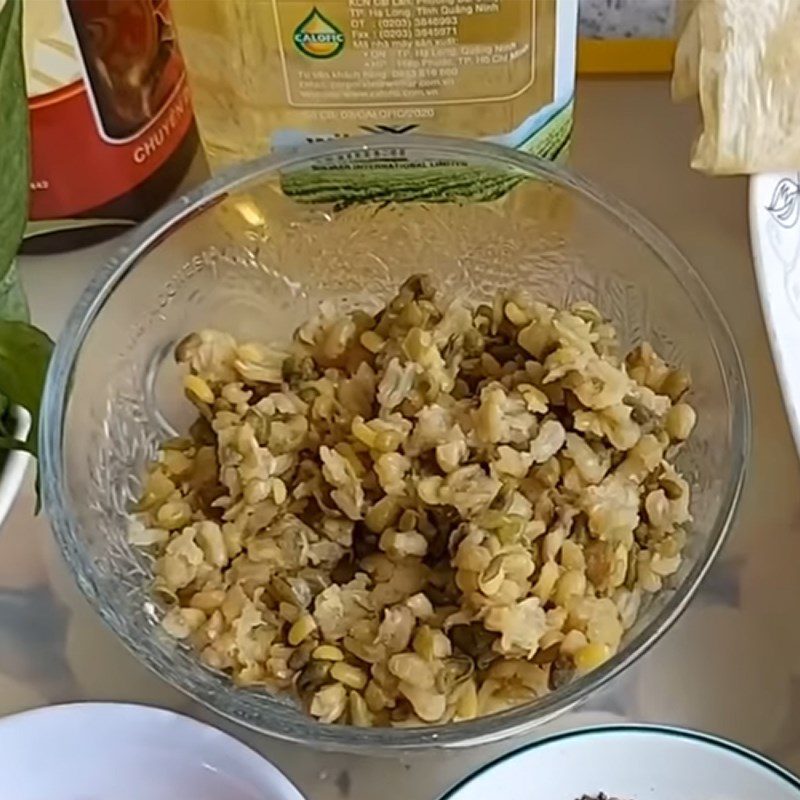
(601,796)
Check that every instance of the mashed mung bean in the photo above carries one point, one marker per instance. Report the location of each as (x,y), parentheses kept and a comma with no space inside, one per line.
(420,515)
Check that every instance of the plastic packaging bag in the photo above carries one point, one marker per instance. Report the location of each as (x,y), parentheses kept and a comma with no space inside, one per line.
(271,75)
(742,58)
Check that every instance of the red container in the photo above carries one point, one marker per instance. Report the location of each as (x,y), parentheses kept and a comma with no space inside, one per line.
(112,127)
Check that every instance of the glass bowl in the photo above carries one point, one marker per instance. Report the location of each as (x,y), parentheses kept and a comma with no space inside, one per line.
(239,254)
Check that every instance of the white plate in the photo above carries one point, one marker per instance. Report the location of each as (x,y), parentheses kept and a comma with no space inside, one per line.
(775,240)
(115,751)
(631,762)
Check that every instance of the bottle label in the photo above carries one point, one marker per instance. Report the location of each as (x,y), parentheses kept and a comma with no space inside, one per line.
(108,99)
(409,54)
(415,59)
(500,70)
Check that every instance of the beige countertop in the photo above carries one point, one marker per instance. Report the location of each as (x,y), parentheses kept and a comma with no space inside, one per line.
(731,665)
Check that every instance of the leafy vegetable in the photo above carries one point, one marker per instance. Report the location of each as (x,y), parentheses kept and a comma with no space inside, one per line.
(5,420)
(24,350)
(14,141)
(13,303)
(24,353)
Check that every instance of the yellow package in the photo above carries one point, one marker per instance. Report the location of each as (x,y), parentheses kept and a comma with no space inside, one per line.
(268,75)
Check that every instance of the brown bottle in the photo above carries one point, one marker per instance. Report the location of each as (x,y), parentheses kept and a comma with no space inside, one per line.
(112,126)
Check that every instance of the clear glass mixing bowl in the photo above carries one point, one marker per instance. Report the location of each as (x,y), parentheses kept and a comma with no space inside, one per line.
(238,254)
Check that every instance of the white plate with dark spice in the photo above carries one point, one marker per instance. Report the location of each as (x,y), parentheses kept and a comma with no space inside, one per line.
(630,762)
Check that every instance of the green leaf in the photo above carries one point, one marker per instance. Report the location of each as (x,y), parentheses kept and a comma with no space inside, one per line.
(13,303)
(24,355)
(14,167)
(5,420)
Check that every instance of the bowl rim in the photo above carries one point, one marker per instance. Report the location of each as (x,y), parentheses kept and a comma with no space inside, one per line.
(634,728)
(503,724)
